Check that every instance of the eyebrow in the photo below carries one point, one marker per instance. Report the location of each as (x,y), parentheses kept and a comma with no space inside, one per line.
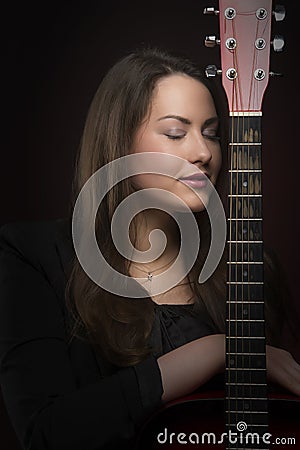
(186,121)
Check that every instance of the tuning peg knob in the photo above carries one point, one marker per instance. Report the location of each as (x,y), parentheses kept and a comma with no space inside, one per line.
(212,71)
(210,10)
(278,43)
(275,74)
(279,13)
(211,41)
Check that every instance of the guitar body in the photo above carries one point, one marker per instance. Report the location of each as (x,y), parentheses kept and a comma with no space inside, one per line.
(198,420)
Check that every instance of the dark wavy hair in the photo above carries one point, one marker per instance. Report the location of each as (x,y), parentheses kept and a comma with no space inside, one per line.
(120,327)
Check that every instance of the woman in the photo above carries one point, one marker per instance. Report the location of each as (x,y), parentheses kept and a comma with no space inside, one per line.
(82,367)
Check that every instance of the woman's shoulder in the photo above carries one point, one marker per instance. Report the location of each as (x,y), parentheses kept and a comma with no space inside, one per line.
(44,244)
(20,230)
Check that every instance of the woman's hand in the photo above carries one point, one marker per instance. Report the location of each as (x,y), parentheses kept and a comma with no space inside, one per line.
(282,369)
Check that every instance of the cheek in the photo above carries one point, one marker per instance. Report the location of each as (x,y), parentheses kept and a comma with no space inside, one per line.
(145,142)
(152,141)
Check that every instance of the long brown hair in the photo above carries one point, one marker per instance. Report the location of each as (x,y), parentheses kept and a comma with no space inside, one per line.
(118,326)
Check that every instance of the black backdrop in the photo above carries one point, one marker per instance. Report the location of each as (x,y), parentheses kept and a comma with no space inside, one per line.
(53,57)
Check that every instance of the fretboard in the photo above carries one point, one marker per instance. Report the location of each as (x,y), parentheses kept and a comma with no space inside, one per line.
(246,388)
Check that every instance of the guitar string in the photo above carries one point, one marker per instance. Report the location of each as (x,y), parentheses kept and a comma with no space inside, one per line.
(234,124)
(229,350)
(257,188)
(238,98)
(230,269)
(249,185)
(233,179)
(251,190)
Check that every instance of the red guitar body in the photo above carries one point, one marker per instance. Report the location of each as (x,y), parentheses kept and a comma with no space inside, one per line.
(202,415)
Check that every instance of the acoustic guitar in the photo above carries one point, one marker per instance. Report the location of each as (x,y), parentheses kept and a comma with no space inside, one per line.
(245,414)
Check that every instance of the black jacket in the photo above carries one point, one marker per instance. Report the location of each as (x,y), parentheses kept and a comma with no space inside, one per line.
(59,397)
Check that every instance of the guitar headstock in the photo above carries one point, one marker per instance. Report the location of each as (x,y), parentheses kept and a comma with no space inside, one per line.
(245,42)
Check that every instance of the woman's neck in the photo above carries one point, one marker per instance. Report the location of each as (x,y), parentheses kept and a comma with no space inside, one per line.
(146,222)
(153,219)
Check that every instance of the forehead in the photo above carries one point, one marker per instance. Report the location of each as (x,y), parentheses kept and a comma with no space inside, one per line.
(182,95)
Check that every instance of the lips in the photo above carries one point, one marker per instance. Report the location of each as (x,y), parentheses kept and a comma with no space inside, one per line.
(195,176)
(196,180)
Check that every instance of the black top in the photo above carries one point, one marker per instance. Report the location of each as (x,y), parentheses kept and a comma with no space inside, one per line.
(61,396)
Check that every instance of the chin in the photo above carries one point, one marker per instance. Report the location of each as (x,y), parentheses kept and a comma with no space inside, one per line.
(196,206)
(193,201)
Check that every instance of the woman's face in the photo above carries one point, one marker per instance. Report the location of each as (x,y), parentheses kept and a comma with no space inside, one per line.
(182,122)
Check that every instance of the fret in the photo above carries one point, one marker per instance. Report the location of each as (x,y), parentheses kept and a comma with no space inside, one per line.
(245,301)
(247,412)
(245,353)
(245,320)
(245,282)
(245,242)
(244,220)
(241,337)
(233,369)
(245,143)
(245,170)
(249,398)
(253,425)
(244,195)
(246,384)
(245,262)
(245,113)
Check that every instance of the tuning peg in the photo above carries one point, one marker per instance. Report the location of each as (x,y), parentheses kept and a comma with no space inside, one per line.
(211,41)
(212,70)
(279,13)
(210,10)
(275,74)
(278,43)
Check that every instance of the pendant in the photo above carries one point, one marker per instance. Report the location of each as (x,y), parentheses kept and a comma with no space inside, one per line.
(149,276)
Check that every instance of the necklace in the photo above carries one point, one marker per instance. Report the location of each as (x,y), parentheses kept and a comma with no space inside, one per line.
(151,273)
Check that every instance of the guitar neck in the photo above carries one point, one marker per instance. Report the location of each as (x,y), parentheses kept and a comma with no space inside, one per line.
(246,387)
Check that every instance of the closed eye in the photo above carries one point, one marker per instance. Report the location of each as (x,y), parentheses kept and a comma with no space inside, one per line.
(174,137)
(211,135)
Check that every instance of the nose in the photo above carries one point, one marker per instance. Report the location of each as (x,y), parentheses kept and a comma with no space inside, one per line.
(199,151)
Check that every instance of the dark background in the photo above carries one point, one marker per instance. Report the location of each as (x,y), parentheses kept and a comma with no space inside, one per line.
(54,55)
